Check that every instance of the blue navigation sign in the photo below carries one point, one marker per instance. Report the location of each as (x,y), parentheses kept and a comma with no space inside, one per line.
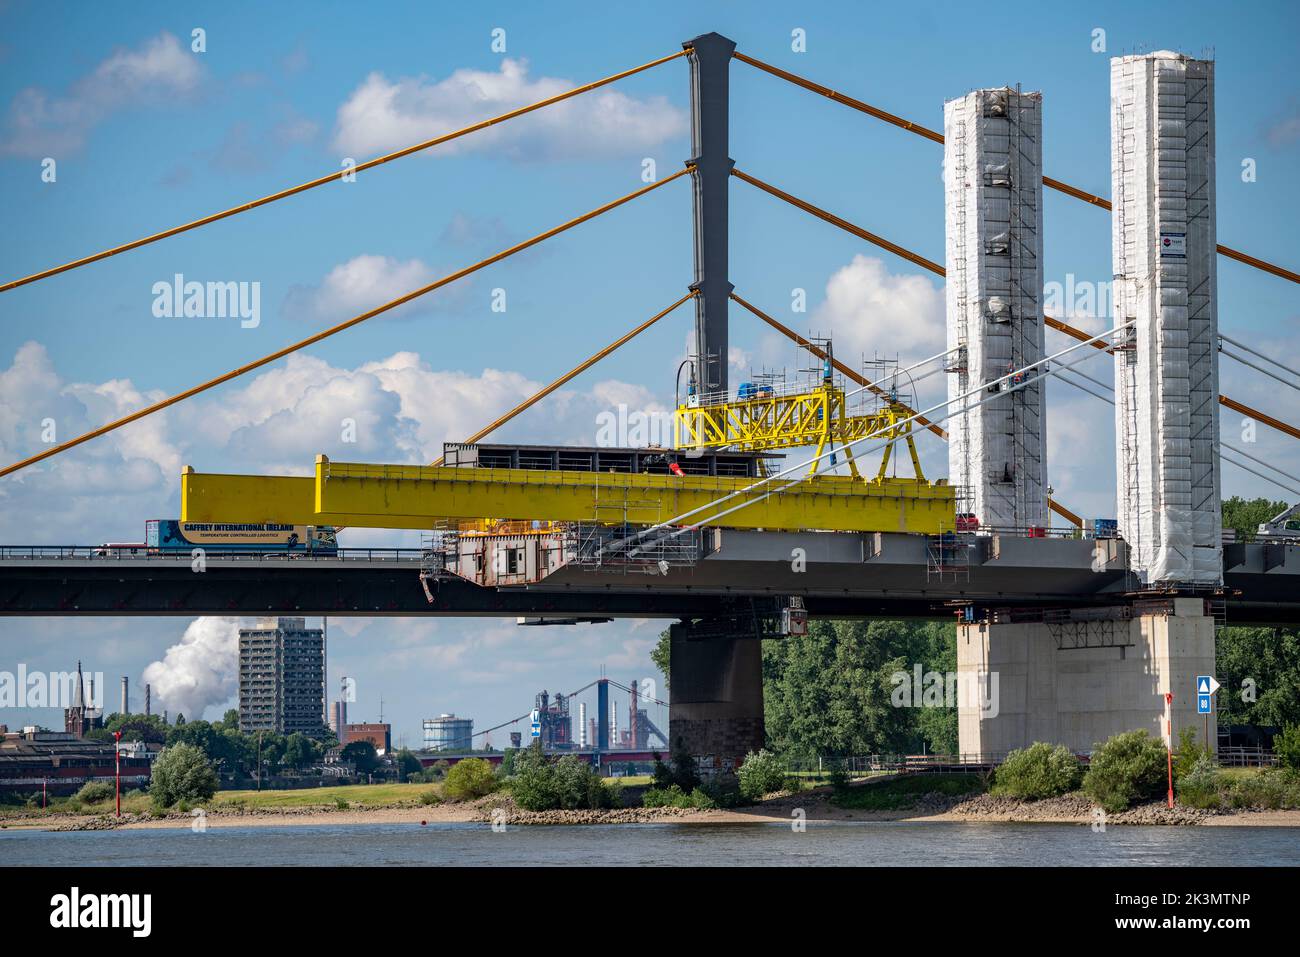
(1205,688)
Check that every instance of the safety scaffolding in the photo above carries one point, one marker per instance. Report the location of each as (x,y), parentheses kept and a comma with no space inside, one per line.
(947,557)
(612,543)
(948,553)
(632,549)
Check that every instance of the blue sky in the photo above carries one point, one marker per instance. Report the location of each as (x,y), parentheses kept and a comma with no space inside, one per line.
(147,133)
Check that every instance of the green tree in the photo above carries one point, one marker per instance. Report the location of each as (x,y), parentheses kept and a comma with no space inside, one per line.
(300,751)
(761,773)
(829,692)
(1260,672)
(407,764)
(138,727)
(1246,515)
(469,779)
(660,655)
(1189,753)
(362,755)
(1038,771)
(1129,767)
(542,783)
(506,768)
(1287,746)
(181,773)
(533,785)
(199,733)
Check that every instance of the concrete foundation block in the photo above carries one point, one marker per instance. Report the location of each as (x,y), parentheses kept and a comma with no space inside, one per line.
(1049,688)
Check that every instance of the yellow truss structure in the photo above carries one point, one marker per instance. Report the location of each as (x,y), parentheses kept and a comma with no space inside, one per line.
(410,496)
(768,420)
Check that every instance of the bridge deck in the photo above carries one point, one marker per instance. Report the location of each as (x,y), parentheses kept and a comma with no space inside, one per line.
(846,575)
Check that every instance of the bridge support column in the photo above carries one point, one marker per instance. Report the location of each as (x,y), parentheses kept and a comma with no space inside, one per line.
(710,60)
(1078,679)
(716,689)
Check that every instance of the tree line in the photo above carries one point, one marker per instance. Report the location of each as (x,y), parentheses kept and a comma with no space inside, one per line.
(230,751)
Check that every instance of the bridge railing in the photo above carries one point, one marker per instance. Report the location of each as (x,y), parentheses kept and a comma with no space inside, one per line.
(862,765)
(1241,757)
(135,553)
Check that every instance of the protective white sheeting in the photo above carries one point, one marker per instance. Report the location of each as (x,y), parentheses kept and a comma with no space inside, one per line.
(994,226)
(1167,377)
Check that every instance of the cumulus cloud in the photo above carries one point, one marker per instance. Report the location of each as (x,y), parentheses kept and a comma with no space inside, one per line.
(367,281)
(394,409)
(868,311)
(1081,446)
(383,115)
(56,504)
(200,671)
(41,123)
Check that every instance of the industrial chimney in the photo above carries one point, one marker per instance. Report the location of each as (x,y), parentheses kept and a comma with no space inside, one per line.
(125,698)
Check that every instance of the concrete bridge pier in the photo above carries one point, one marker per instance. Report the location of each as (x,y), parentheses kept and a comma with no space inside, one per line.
(715,711)
(1076,678)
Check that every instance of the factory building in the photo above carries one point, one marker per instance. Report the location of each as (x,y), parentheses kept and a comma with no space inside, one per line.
(380,735)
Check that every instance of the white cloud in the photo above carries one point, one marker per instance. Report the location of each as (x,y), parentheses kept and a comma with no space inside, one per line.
(395,409)
(1081,446)
(41,123)
(869,310)
(37,408)
(367,281)
(382,115)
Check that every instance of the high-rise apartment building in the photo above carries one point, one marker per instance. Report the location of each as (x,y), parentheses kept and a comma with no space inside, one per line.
(281,676)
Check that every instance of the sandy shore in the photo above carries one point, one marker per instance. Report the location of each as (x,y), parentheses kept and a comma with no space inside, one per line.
(813,806)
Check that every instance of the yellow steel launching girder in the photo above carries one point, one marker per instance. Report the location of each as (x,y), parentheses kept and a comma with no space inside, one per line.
(769,420)
(406,496)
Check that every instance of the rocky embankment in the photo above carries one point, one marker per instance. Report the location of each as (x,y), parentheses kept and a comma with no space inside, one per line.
(1073,808)
(813,806)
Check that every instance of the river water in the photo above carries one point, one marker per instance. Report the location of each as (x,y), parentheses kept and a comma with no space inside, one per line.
(878,844)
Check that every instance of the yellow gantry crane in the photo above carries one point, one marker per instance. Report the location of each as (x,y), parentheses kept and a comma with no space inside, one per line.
(765,417)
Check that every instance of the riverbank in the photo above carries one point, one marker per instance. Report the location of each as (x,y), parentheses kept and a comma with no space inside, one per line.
(814,806)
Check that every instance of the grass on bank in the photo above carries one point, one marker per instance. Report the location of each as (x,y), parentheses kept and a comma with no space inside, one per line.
(353,795)
(902,792)
(335,798)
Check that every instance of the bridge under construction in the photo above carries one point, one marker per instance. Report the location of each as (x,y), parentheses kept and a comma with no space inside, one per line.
(736,536)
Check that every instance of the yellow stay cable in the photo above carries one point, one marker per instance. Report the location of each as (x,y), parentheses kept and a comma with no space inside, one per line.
(348,324)
(576,370)
(331,177)
(937,137)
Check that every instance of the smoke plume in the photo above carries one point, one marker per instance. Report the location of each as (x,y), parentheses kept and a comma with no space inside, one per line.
(201,671)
